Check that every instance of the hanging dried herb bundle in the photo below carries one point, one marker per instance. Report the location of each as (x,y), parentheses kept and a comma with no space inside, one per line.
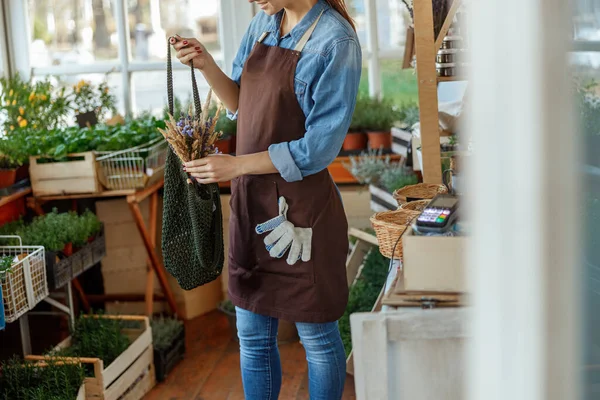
(193,136)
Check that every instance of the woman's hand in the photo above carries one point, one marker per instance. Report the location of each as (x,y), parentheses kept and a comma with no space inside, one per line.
(214,168)
(190,49)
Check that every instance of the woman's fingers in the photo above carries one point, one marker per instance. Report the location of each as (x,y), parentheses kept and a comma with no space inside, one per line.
(198,170)
(196,163)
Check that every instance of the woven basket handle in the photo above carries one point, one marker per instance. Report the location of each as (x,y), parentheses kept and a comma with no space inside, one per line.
(171,98)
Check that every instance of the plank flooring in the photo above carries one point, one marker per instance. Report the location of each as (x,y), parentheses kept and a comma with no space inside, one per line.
(211,369)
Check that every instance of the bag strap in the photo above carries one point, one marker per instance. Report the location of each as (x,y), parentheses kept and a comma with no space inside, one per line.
(170,95)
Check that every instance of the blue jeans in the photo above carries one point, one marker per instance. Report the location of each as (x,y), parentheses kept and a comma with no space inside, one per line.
(261,366)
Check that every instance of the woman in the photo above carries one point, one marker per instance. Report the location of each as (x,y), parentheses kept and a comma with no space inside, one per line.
(293,91)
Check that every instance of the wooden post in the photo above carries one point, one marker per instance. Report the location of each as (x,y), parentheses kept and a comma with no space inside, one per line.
(428,98)
(149,298)
(156,264)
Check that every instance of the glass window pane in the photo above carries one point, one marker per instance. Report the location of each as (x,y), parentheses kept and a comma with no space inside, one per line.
(357,11)
(114,81)
(152,97)
(67,32)
(399,84)
(586,69)
(586,20)
(152,21)
(392,20)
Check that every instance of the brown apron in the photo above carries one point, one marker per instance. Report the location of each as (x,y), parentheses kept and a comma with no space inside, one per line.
(314,291)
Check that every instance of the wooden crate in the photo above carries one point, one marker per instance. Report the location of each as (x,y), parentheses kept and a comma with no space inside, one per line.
(130,376)
(76,175)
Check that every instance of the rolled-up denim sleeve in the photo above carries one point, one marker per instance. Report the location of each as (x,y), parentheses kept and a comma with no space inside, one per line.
(238,65)
(329,119)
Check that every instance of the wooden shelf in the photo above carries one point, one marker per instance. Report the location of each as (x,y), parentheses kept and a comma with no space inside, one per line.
(15,196)
(451,79)
(108,193)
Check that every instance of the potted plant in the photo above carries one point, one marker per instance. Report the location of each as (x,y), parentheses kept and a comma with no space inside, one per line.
(32,105)
(356,139)
(8,171)
(168,340)
(91,103)
(380,116)
(51,379)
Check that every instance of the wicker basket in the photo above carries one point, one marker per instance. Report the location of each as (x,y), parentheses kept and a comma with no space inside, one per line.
(389,227)
(420,191)
(418,205)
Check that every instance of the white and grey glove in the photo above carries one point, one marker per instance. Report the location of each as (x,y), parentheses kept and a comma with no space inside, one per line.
(284,235)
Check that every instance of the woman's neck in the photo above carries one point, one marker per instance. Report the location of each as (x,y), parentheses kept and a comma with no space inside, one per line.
(294,14)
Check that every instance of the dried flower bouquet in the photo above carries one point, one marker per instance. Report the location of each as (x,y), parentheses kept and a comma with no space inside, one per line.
(193,136)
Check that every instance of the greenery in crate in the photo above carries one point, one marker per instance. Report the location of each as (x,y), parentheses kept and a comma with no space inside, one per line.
(165,331)
(54,230)
(364,292)
(97,337)
(58,143)
(26,381)
(27,104)
(396,177)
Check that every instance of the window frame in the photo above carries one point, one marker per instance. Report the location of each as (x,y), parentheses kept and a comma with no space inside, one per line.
(17,34)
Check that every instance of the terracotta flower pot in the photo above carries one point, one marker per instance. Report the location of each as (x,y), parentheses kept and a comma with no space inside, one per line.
(68,250)
(7,177)
(12,211)
(224,145)
(380,140)
(355,141)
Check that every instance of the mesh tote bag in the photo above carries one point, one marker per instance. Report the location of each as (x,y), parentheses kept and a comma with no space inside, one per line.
(192,229)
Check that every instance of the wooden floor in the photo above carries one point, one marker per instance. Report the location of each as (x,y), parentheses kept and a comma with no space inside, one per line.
(211,369)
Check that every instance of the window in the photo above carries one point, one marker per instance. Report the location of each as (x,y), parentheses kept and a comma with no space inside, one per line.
(86,39)
(67,32)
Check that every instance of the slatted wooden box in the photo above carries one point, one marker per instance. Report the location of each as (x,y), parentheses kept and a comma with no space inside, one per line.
(131,376)
(76,175)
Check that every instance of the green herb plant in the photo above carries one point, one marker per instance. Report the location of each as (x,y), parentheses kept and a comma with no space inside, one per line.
(397,176)
(54,230)
(57,380)
(6,263)
(364,292)
(379,115)
(97,337)
(408,114)
(368,167)
(164,331)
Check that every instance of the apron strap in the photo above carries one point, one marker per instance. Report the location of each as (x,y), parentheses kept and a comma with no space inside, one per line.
(304,39)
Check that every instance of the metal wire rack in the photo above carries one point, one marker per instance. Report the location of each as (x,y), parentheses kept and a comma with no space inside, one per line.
(132,168)
(24,284)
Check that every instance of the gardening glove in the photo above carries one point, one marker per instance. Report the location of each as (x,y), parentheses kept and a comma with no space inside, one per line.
(301,246)
(274,222)
(280,240)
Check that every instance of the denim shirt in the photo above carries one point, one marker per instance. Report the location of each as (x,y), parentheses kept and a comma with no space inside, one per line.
(326,84)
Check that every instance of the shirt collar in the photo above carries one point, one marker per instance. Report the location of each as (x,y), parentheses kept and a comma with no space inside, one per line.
(302,26)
